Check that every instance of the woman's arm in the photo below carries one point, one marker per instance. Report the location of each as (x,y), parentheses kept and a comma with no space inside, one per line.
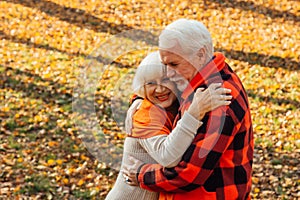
(167,150)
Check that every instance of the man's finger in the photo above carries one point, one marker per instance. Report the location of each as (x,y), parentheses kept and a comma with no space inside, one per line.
(215,85)
(223,90)
(199,89)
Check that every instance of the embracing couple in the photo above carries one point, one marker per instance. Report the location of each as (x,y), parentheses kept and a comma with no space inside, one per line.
(190,130)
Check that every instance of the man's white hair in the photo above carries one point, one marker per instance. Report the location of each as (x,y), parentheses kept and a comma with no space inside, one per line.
(149,69)
(186,37)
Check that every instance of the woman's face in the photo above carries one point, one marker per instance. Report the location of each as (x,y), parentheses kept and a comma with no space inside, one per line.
(161,91)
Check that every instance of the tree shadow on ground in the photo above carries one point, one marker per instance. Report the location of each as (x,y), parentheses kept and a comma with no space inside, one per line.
(74,16)
(260,9)
(273,100)
(47,47)
(252,58)
(15,79)
(262,59)
(81,18)
(31,44)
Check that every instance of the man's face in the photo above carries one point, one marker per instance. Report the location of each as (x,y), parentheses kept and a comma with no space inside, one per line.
(179,70)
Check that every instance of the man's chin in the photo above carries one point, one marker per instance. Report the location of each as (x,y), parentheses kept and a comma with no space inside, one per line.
(182,85)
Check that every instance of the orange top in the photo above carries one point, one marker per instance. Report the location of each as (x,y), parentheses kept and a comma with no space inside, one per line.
(151,120)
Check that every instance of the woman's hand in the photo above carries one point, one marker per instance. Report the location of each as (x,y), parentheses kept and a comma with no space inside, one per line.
(209,99)
(130,112)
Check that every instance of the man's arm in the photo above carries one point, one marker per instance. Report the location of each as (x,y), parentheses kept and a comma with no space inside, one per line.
(197,163)
(214,136)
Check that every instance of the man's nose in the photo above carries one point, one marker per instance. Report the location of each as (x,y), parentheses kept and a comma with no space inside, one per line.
(170,72)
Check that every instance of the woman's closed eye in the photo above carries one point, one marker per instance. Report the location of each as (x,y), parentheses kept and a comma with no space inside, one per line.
(151,83)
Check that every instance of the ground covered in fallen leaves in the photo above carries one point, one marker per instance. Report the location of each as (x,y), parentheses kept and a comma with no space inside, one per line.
(65,72)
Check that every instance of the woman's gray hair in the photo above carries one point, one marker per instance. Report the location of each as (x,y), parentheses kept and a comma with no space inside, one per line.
(187,35)
(150,68)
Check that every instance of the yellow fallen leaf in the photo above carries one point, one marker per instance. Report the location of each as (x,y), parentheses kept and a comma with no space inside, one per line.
(59,162)
(37,118)
(17,115)
(51,162)
(255,180)
(47,75)
(58,178)
(65,181)
(89,176)
(83,157)
(17,189)
(70,171)
(256,190)
(52,143)
(8,161)
(5,109)
(80,182)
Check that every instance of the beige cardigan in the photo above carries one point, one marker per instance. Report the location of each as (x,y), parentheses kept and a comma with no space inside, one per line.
(166,150)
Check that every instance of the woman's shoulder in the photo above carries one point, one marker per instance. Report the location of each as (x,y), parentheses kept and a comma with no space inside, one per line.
(148,112)
(150,120)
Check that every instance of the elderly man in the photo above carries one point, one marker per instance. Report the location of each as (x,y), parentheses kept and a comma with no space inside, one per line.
(218,163)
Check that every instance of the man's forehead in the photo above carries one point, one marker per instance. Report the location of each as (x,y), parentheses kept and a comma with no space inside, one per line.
(167,52)
(166,55)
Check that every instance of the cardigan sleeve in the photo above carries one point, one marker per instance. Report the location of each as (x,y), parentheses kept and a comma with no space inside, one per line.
(167,150)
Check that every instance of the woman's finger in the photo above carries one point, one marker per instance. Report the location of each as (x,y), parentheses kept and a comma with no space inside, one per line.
(130,112)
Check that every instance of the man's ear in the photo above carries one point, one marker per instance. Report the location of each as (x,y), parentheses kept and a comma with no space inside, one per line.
(202,56)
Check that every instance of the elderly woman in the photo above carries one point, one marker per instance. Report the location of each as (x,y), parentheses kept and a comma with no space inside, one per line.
(151,141)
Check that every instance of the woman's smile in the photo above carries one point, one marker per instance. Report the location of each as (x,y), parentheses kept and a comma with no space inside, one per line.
(163,97)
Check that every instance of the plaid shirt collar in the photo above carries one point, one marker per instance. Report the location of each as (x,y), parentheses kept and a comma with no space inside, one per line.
(215,65)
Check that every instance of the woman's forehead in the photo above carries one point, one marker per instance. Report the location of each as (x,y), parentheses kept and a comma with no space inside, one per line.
(155,75)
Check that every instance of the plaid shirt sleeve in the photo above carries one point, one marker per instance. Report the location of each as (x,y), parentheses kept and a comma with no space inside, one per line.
(225,135)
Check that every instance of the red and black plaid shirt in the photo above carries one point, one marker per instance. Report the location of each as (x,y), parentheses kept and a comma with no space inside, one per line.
(220,157)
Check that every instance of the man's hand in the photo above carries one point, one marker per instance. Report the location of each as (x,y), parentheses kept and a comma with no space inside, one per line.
(130,112)
(129,170)
(209,99)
